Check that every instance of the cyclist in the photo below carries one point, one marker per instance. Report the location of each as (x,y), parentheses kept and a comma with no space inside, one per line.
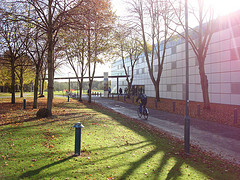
(143,101)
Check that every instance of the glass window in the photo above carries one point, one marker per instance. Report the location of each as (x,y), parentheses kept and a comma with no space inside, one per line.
(235,88)
(169,87)
(174,50)
(174,65)
(137,71)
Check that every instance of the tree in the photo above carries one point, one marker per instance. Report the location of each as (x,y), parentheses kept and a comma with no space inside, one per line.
(5,75)
(43,75)
(36,48)
(75,53)
(13,37)
(128,49)
(51,16)
(199,39)
(152,19)
(99,21)
(23,71)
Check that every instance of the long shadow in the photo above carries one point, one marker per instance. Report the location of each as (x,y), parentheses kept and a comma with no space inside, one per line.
(37,171)
(160,166)
(135,165)
(44,122)
(108,157)
(21,121)
(175,171)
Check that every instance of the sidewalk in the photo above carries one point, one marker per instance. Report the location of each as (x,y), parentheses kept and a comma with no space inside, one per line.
(221,140)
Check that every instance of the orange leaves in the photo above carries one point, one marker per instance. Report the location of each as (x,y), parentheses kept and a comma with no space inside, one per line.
(48,145)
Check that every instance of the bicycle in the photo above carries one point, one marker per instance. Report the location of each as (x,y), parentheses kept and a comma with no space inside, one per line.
(144,112)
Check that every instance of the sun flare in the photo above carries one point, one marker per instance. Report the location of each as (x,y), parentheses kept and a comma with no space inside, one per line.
(223,7)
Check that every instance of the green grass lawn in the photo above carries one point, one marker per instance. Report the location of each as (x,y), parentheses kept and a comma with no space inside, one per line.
(113,147)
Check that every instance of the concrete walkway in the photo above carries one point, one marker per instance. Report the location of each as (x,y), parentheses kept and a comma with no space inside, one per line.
(221,140)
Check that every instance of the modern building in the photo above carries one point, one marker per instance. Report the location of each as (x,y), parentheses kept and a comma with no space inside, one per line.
(222,67)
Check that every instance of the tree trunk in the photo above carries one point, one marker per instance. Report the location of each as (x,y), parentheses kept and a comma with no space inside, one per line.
(156,86)
(50,59)
(129,90)
(80,93)
(80,88)
(21,88)
(35,90)
(43,81)
(90,92)
(89,67)
(13,82)
(50,72)
(204,85)
(21,83)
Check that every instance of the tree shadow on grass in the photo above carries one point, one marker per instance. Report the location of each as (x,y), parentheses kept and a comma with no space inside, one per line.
(137,164)
(45,121)
(174,171)
(31,173)
(21,121)
(117,154)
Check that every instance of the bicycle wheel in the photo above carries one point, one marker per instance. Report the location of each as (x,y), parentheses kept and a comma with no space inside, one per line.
(145,113)
(138,113)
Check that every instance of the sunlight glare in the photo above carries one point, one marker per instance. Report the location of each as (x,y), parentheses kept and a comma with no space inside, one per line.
(223,7)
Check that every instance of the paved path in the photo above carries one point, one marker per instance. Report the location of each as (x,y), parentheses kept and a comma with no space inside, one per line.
(221,140)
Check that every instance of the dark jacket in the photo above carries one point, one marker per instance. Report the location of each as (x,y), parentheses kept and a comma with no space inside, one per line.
(143,99)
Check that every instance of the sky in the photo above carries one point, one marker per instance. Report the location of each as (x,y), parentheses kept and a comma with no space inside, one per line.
(221,7)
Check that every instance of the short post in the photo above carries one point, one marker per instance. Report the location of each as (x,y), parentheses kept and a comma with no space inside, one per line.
(174,105)
(118,97)
(78,126)
(124,97)
(133,99)
(112,95)
(100,94)
(24,104)
(235,116)
(156,103)
(68,98)
(198,109)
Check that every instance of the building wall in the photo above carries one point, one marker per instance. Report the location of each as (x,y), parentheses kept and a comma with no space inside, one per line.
(222,66)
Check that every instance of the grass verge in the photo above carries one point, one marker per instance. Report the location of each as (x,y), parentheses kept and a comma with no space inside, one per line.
(113,147)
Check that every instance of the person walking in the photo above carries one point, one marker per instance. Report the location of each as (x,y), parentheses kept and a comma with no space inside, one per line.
(120,91)
(109,91)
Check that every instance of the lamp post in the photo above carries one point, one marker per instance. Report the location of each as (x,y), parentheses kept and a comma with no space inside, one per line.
(187,119)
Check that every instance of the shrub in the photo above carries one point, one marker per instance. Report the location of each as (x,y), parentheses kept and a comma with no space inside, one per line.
(44,112)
